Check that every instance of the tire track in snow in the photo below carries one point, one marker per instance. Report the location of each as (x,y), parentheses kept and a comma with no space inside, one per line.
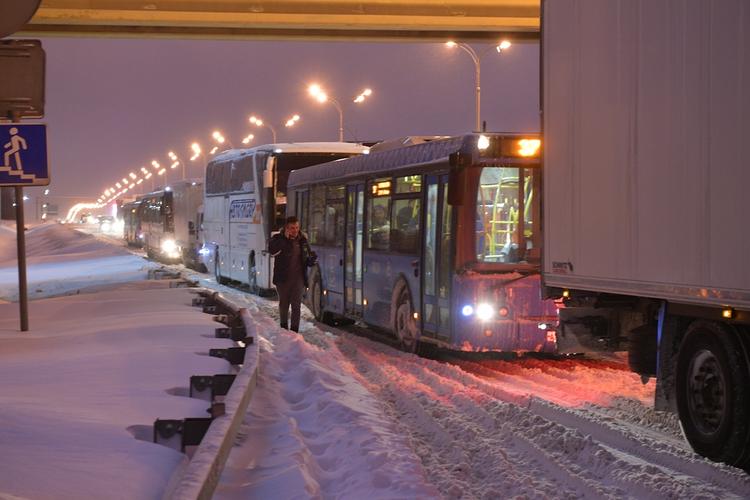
(621,429)
(551,433)
(457,438)
(630,441)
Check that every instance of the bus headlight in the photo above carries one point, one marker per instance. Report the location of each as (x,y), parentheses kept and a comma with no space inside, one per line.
(169,247)
(467,310)
(485,312)
(204,251)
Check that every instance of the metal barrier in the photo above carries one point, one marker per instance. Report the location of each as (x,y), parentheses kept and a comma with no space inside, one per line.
(199,478)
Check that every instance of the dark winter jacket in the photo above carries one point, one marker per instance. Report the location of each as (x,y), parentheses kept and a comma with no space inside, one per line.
(281,247)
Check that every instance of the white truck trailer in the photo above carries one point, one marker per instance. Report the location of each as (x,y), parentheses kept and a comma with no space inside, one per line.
(646,114)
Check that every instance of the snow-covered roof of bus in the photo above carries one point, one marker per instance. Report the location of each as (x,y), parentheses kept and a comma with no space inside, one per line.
(296,147)
(389,160)
(178,185)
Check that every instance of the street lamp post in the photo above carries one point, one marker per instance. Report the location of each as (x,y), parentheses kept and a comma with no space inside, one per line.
(477,74)
(292,121)
(321,96)
(175,162)
(198,152)
(220,140)
(260,123)
(159,171)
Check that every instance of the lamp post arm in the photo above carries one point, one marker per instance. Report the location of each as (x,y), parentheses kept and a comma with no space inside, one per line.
(477,80)
(273,131)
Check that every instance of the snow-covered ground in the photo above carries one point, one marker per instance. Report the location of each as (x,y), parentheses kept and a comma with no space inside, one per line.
(331,405)
(335,415)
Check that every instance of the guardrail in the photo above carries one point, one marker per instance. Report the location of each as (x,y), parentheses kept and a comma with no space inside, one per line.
(199,478)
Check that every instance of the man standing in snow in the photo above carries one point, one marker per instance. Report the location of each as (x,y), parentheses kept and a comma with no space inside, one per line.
(293,257)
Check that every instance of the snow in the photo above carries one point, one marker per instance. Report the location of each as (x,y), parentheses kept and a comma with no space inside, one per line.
(334,415)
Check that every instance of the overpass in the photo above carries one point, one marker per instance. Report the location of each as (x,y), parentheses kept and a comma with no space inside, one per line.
(358,20)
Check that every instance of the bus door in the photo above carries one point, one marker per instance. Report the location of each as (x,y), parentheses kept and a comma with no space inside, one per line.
(436,245)
(355,200)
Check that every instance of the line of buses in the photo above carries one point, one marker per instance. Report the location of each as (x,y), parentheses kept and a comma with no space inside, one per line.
(434,239)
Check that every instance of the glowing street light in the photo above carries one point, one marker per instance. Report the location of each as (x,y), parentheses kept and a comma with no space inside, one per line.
(220,139)
(196,151)
(176,162)
(317,93)
(260,123)
(476,58)
(292,121)
(247,139)
(363,95)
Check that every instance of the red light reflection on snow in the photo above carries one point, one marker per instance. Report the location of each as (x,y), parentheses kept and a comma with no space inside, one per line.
(569,382)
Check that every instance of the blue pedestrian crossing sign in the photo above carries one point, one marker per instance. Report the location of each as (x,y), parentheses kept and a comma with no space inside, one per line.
(23,154)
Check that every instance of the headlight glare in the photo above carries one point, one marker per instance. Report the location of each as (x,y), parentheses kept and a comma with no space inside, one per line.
(485,312)
(168,246)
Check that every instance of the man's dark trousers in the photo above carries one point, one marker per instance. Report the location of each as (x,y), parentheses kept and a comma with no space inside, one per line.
(290,294)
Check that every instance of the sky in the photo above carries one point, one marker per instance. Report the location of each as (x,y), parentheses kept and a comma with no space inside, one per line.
(333,415)
(113,105)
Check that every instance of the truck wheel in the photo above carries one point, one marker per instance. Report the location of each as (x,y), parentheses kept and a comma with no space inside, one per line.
(713,393)
(404,324)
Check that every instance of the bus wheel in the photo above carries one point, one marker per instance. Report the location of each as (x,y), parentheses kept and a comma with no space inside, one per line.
(315,300)
(713,393)
(252,281)
(405,326)
(217,270)
(252,274)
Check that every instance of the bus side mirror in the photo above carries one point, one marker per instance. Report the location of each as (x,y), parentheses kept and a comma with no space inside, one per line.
(456,180)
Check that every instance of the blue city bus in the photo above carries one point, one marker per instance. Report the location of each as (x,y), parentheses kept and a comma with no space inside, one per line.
(436,242)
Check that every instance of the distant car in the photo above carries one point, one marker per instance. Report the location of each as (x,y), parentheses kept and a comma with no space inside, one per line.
(105,223)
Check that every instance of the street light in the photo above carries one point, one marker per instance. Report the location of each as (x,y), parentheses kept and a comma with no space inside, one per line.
(260,123)
(176,161)
(502,46)
(220,139)
(317,92)
(363,95)
(292,121)
(248,138)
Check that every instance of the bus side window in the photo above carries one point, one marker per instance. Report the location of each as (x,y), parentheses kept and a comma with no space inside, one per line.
(405,225)
(317,212)
(334,215)
(378,226)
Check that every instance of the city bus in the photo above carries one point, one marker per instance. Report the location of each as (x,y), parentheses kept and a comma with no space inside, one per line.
(245,201)
(169,222)
(414,241)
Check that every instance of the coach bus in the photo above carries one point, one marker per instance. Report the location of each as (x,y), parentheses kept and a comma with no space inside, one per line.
(169,222)
(245,201)
(131,223)
(436,242)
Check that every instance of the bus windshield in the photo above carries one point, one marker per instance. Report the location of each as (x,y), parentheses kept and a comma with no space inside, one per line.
(507,215)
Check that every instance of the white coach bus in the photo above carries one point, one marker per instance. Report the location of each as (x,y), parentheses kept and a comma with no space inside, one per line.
(245,201)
